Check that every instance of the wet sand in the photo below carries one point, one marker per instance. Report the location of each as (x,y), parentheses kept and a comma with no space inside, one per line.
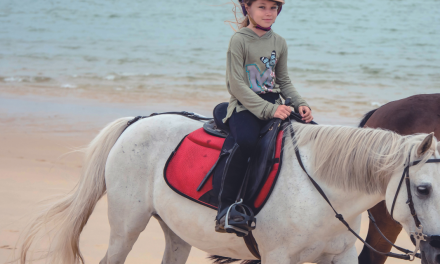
(38,127)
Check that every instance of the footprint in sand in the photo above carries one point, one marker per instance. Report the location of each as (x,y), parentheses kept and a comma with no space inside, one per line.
(102,246)
(6,247)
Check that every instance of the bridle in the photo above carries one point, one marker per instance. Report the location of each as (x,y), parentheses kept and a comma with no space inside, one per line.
(416,236)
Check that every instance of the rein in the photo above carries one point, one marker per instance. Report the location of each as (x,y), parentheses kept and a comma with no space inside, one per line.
(416,237)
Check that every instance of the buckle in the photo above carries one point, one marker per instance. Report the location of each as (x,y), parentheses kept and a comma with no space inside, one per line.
(418,237)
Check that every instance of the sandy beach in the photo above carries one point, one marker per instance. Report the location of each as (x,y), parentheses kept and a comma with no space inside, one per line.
(38,135)
(39,130)
(34,169)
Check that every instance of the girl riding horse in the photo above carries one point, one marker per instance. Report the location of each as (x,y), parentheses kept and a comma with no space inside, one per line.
(256,75)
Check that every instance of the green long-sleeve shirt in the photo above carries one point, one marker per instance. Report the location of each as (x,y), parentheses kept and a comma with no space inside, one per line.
(258,65)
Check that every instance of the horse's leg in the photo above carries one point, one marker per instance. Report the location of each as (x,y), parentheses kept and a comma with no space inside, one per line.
(348,257)
(125,228)
(129,210)
(121,242)
(176,250)
(389,228)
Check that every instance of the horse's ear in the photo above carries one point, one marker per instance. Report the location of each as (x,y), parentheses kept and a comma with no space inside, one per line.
(425,145)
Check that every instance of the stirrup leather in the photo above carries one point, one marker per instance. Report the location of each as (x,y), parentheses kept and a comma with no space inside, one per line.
(247,223)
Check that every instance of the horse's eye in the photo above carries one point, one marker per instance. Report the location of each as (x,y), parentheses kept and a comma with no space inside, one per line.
(423,189)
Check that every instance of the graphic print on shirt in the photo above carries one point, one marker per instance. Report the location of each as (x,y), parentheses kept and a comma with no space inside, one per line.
(262,82)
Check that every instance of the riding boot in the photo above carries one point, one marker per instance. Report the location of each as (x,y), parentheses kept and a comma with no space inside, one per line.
(231,182)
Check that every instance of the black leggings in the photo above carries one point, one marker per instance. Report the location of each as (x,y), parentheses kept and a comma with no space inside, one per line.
(245,127)
(244,131)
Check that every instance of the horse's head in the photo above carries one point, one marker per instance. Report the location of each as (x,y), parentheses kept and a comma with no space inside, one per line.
(416,198)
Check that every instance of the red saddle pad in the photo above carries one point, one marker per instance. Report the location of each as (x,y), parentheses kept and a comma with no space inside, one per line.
(194,157)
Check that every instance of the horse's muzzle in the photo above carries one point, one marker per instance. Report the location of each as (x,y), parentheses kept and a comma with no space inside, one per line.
(431,250)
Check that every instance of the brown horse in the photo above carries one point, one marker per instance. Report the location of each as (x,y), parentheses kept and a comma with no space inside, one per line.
(415,114)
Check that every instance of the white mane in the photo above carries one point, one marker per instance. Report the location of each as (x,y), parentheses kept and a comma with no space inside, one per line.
(363,159)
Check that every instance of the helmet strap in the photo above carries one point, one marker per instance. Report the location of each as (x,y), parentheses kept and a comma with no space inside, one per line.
(256,25)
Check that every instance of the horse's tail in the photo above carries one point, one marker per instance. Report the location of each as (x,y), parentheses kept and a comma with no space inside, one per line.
(366,117)
(66,219)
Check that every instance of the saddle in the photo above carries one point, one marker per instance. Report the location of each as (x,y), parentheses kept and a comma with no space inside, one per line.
(190,168)
(261,162)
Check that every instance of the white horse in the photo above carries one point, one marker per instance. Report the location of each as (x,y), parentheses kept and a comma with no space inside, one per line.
(356,168)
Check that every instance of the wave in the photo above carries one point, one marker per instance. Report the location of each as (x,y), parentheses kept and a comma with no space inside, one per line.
(27,79)
(344,53)
(69,86)
(332,82)
(313,71)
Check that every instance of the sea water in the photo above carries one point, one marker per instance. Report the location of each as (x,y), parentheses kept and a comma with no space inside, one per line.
(360,52)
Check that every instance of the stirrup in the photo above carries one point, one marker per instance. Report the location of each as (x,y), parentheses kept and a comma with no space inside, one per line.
(247,220)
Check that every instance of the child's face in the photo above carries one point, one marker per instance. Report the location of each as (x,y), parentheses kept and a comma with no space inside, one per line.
(264,12)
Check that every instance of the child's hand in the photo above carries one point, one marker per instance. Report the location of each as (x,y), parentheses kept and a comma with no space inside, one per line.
(282,112)
(306,113)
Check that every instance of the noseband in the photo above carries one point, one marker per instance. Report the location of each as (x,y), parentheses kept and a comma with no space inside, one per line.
(417,236)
